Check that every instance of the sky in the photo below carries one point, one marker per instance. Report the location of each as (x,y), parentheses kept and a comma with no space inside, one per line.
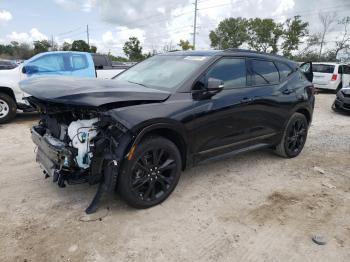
(156,23)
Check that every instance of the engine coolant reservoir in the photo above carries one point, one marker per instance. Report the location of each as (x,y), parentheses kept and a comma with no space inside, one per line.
(80,133)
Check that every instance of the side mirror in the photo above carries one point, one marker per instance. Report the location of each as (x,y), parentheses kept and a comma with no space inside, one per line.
(306,68)
(214,86)
(30,69)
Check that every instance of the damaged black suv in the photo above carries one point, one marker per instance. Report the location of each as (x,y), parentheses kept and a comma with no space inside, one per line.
(138,131)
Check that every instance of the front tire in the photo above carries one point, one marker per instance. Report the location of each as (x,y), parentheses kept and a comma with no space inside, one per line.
(8,108)
(294,137)
(152,173)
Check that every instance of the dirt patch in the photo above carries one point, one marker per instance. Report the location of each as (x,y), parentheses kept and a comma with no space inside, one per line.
(283,207)
(275,208)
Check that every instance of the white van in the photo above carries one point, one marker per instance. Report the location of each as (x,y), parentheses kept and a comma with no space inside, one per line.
(332,76)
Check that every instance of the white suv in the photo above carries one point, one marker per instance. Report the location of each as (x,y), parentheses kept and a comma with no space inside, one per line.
(331,76)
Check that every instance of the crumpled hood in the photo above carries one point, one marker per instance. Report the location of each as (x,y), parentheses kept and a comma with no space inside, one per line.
(89,92)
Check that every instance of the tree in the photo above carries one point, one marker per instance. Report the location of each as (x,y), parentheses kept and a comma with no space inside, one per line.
(326,19)
(66,46)
(80,45)
(118,58)
(133,49)
(93,49)
(344,42)
(230,33)
(185,45)
(264,35)
(41,46)
(294,30)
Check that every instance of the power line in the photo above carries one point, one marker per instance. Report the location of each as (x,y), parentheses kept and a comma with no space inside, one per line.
(70,31)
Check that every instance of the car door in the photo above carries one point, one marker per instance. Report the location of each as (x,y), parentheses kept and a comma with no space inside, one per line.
(271,96)
(48,64)
(220,124)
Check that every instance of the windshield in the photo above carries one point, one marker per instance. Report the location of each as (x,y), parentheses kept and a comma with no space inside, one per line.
(164,71)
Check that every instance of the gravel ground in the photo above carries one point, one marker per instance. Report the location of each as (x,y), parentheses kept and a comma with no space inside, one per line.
(251,207)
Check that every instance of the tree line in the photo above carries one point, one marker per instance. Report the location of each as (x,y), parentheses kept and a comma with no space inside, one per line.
(290,38)
(16,50)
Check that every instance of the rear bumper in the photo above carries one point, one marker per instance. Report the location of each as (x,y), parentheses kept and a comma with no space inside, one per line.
(52,153)
(326,87)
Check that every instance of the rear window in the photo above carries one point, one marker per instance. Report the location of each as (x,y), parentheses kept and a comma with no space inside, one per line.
(321,68)
(264,72)
(100,60)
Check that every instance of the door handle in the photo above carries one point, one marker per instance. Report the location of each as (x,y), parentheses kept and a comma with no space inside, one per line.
(246,100)
(287,91)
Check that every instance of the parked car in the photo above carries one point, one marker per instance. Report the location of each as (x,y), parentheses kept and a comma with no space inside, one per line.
(105,68)
(331,76)
(63,63)
(342,100)
(138,131)
(7,64)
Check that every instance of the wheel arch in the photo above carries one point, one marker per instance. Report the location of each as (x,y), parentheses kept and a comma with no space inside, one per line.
(169,131)
(306,113)
(8,91)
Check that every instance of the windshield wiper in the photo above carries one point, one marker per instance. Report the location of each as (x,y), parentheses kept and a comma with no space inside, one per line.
(137,83)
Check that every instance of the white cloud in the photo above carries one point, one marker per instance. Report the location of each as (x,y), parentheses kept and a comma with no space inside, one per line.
(284,6)
(88,5)
(23,37)
(37,35)
(71,5)
(5,16)
(114,40)
(67,4)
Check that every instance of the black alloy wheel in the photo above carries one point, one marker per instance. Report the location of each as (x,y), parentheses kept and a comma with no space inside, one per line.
(294,136)
(152,173)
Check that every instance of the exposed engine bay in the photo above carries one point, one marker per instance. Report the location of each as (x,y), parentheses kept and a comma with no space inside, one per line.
(79,145)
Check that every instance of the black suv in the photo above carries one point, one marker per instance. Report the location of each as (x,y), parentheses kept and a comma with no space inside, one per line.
(138,131)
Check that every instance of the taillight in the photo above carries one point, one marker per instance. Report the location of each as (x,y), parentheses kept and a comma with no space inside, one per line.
(334,77)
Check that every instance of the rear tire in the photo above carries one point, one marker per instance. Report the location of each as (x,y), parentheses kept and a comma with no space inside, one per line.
(151,174)
(8,108)
(294,137)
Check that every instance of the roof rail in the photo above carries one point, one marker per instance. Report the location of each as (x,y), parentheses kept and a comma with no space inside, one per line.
(251,51)
(241,50)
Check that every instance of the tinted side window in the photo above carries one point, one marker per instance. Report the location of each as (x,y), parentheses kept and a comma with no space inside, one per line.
(49,63)
(321,68)
(264,72)
(231,70)
(284,71)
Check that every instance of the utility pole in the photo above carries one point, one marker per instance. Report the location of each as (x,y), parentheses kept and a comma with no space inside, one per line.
(87,35)
(52,47)
(195,24)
